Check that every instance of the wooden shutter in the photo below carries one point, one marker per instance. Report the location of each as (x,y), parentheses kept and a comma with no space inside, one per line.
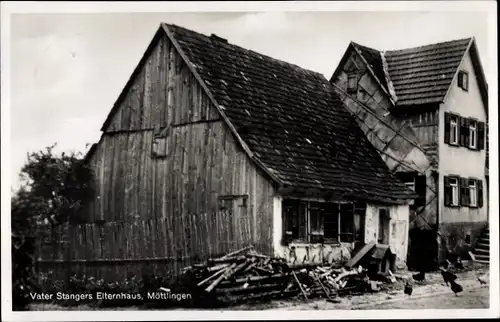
(421,190)
(460,80)
(447,191)
(447,119)
(463,131)
(467,131)
(464,192)
(480,135)
(479,188)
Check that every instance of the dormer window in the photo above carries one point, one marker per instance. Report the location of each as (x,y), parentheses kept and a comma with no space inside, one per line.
(352,82)
(463,80)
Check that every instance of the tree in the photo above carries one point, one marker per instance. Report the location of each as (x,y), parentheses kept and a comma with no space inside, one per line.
(55,187)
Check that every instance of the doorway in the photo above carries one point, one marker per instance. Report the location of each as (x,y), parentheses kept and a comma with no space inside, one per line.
(383,226)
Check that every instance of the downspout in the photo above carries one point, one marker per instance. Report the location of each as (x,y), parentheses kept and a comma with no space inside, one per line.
(438,234)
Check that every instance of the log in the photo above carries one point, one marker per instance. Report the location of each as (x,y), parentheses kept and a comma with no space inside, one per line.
(256,279)
(345,274)
(221,271)
(239,251)
(301,266)
(217,267)
(212,261)
(237,269)
(249,289)
(220,278)
(262,270)
(322,286)
(300,285)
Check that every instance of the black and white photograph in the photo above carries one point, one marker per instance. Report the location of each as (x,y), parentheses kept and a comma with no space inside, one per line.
(273,160)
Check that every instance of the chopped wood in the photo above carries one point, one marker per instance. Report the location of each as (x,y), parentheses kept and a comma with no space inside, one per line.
(221,271)
(300,285)
(221,277)
(239,251)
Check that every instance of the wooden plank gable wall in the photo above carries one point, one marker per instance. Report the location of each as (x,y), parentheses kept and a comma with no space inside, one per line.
(165,208)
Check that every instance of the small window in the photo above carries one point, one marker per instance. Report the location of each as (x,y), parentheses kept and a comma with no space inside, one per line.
(159,147)
(454,130)
(472,193)
(454,191)
(472,134)
(463,80)
(352,82)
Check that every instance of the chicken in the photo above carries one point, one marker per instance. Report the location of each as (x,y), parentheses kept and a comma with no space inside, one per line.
(447,276)
(408,288)
(456,288)
(419,277)
(483,279)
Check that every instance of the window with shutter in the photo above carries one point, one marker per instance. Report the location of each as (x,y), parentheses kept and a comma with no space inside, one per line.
(451,191)
(472,141)
(454,130)
(463,80)
(472,192)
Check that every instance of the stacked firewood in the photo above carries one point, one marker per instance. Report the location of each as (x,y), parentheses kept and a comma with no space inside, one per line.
(246,275)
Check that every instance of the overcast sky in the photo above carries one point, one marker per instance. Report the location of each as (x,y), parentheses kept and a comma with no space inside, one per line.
(67,70)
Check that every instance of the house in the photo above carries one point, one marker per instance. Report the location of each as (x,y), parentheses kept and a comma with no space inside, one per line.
(425,110)
(211,147)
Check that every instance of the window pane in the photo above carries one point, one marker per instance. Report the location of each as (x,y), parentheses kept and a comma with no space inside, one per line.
(295,218)
(316,221)
(347,223)
(331,216)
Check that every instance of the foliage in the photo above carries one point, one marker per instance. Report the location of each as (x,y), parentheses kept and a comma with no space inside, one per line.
(54,189)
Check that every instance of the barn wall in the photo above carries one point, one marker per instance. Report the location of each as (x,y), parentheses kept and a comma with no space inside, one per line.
(457,222)
(162,212)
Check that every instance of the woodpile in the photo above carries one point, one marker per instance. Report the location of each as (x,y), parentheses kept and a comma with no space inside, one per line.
(246,275)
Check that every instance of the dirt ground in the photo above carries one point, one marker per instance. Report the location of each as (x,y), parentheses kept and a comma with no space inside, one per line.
(432,294)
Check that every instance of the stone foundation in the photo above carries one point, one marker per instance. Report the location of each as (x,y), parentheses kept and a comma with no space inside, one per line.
(453,239)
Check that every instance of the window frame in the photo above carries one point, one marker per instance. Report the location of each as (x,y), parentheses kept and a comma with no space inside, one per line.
(454,122)
(318,236)
(455,191)
(473,129)
(463,80)
(472,186)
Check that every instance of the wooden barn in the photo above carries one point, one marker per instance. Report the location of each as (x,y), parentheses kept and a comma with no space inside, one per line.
(211,147)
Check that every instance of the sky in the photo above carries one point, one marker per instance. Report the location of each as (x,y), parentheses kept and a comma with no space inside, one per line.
(67,70)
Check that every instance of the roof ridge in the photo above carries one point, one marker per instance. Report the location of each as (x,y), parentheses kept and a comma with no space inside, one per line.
(429,45)
(245,49)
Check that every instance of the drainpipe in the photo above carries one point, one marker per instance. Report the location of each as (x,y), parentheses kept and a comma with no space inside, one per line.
(435,175)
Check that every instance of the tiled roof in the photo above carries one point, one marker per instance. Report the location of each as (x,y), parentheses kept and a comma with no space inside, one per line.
(423,74)
(419,75)
(291,119)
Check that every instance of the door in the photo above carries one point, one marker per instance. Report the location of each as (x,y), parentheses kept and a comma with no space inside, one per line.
(383,226)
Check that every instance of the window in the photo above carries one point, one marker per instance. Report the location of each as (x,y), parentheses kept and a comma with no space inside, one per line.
(352,82)
(410,184)
(463,80)
(453,191)
(472,134)
(321,222)
(454,130)
(472,193)
(160,142)
(417,183)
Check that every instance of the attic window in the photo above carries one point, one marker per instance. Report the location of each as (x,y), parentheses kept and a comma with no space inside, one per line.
(463,80)
(352,82)
(160,143)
